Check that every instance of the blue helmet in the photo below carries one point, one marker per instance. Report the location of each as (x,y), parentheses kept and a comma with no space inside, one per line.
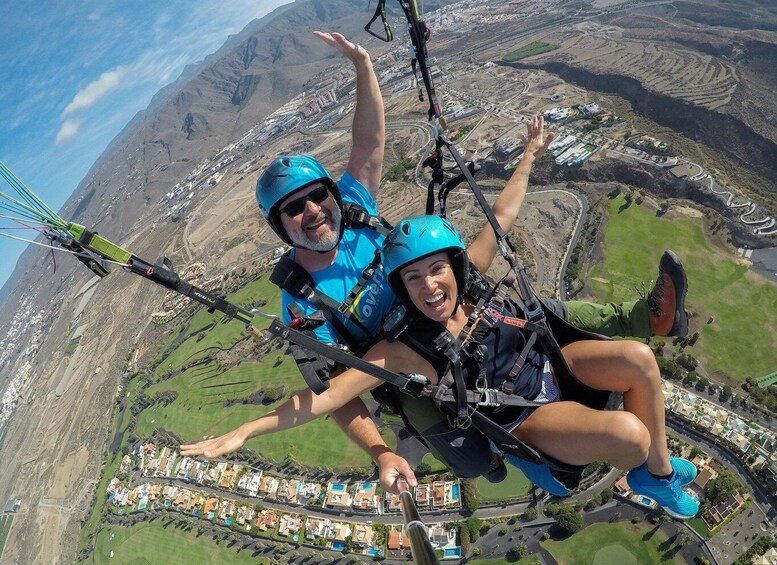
(285,176)
(419,237)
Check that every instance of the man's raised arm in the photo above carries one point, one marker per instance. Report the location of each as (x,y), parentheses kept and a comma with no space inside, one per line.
(368,132)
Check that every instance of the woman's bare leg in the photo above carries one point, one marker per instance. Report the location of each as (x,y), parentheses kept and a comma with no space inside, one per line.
(578,435)
(628,367)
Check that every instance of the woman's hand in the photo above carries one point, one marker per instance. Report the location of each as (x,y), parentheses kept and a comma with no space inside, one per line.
(353,52)
(535,142)
(211,447)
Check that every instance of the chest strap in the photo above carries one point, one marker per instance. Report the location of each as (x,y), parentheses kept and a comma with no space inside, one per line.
(298,282)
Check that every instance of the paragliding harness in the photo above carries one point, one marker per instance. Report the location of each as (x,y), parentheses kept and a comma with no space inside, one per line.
(543,325)
(462,404)
(298,282)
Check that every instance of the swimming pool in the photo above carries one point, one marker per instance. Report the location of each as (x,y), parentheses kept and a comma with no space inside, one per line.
(373,551)
(337,487)
(338,545)
(455,492)
(451,552)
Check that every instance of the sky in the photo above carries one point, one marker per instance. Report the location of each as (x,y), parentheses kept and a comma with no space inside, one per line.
(72,74)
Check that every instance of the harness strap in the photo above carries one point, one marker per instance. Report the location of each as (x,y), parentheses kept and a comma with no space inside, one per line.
(355,216)
(365,276)
(415,385)
(163,274)
(450,348)
(298,282)
(380,12)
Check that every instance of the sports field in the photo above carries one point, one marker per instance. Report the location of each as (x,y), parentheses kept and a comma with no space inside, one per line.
(151,542)
(5,528)
(622,543)
(741,339)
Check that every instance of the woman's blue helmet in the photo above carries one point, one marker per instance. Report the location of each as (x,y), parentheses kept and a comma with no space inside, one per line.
(419,237)
(285,176)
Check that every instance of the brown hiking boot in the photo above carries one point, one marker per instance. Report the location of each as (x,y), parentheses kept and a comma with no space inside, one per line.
(666,301)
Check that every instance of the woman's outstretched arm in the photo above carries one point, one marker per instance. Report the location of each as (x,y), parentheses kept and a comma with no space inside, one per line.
(304,406)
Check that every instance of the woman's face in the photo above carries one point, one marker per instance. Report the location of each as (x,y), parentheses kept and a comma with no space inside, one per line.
(431,285)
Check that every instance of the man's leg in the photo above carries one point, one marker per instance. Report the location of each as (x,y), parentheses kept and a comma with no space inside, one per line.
(661,312)
(465,451)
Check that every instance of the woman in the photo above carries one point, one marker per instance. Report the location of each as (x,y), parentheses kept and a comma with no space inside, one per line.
(426,263)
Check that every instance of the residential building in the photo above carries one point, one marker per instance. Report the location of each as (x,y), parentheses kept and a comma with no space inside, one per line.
(244,515)
(423,496)
(226,510)
(308,493)
(440,537)
(316,527)
(266,519)
(290,525)
(268,486)
(210,506)
(392,503)
(338,531)
(395,541)
(718,513)
(366,498)
(229,477)
(362,535)
(768,558)
(250,482)
(287,490)
(337,496)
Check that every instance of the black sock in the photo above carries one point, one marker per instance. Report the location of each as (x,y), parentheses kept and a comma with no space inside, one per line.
(662,477)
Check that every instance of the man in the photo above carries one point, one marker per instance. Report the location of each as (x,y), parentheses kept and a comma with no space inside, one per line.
(303,205)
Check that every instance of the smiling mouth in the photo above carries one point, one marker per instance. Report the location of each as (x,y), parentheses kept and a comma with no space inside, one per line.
(436,301)
(317,223)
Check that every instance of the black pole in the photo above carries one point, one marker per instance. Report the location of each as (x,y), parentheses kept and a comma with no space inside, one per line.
(421,547)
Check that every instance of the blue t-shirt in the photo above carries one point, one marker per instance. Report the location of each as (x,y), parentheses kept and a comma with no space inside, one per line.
(355,251)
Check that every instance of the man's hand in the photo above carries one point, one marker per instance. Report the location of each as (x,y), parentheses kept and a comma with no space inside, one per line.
(211,447)
(355,53)
(392,468)
(535,142)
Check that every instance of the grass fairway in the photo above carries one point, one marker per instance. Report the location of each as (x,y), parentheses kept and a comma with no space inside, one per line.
(202,391)
(605,544)
(225,333)
(514,486)
(529,560)
(153,543)
(199,410)
(5,528)
(742,338)
(533,48)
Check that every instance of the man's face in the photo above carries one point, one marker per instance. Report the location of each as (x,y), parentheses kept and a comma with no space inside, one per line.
(316,225)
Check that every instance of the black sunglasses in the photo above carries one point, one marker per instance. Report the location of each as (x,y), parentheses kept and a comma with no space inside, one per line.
(297,206)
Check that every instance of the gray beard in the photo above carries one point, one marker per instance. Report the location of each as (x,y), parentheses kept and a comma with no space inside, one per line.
(329,243)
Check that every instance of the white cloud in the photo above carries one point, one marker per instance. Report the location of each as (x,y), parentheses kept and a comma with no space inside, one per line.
(93,17)
(67,131)
(92,92)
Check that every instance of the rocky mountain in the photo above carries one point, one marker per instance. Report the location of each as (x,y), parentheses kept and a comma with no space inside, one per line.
(211,105)
(703,69)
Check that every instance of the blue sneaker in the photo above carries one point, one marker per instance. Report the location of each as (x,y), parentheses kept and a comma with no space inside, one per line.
(539,474)
(668,494)
(684,469)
